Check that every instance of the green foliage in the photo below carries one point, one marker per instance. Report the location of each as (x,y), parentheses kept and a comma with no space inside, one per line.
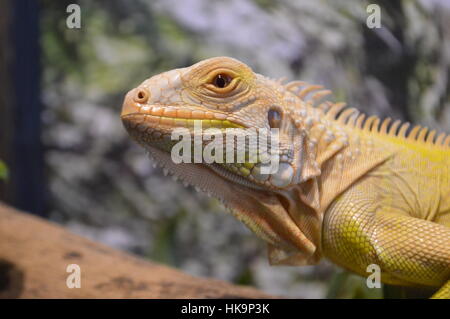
(3,171)
(266,4)
(348,286)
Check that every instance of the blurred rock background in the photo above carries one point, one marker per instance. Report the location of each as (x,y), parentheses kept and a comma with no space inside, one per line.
(101,185)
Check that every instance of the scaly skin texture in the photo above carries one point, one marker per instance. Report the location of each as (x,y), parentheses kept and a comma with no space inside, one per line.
(351,189)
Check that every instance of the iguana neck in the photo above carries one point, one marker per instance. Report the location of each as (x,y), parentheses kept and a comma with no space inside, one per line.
(333,155)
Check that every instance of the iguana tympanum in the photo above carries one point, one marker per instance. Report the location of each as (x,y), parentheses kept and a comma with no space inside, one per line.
(354,190)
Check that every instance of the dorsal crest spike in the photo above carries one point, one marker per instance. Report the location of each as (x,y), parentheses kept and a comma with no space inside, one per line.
(385,125)
(422,134)
(375,125)
(320,94)
(352,119)
(413,134)
(293,86)
(430,137)
(447,141)
(309,89)
(394,127)
(360,121)
(440,139)
(343,117)
(403,129)
(335,109)
(368,123)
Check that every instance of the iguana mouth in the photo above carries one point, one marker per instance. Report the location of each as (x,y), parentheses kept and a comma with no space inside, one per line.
(152,119)
(155,136)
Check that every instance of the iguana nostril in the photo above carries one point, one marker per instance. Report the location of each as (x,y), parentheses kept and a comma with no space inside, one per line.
(142,96)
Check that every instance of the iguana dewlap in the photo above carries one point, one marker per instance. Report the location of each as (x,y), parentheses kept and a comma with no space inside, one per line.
(357,191)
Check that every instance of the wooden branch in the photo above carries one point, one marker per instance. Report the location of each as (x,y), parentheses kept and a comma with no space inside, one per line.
(34,255)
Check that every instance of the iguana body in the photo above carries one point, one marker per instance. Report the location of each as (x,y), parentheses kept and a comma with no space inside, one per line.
(351,189)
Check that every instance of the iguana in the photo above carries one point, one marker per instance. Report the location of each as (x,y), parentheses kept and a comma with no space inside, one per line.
(356,190)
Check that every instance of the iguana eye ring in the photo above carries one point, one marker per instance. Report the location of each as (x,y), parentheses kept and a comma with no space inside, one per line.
(222,80)
(141,96)
(274,118)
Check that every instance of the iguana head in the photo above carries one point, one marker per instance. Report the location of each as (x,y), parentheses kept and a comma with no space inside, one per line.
(225,93)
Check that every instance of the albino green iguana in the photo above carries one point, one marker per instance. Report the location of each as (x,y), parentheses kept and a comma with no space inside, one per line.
(354,190)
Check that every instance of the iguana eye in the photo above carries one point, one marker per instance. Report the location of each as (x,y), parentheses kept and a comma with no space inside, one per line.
(221,80)
(274,118)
